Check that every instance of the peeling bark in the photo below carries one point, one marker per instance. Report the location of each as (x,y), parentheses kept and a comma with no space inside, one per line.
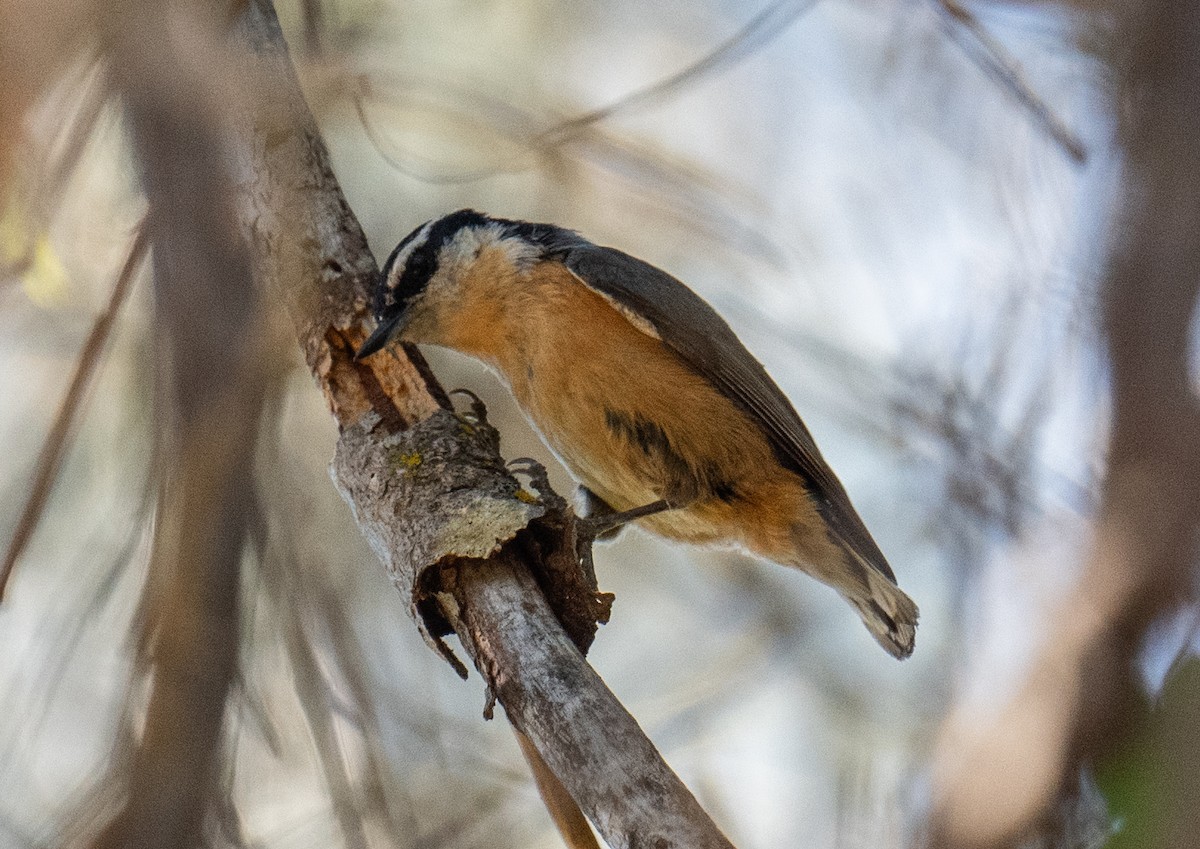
(467,545)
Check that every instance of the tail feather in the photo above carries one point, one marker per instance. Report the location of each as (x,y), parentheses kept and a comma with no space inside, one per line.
(861,574)
(889,614)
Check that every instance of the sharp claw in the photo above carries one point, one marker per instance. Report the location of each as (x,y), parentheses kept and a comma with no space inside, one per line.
(478,408)
(539,478)
(583,552)
(529,467)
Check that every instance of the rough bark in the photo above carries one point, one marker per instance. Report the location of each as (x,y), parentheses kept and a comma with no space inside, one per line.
(584,734)
(458,535)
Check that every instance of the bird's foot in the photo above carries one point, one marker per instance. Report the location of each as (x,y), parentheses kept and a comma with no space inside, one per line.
(539,481)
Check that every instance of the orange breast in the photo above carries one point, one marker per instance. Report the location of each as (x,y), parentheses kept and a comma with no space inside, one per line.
(630,419)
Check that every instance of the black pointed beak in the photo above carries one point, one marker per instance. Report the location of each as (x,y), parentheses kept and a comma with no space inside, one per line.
(383,332)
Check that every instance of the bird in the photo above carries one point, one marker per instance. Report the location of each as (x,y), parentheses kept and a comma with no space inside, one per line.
(644,393)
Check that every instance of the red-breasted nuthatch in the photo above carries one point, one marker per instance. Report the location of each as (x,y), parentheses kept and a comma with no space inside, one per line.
(643,392)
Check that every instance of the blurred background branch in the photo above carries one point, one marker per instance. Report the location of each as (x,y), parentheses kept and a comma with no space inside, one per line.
(50,457)
(206,315)
(991,57)
(1083,694)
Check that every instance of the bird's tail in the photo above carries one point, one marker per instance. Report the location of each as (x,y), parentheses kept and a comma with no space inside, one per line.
(887,611)
(843,555)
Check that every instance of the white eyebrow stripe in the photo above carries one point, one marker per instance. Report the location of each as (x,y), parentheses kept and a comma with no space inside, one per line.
(397,270)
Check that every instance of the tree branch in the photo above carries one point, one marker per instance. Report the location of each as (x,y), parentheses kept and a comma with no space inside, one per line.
(86,365)
(427,486)
(206,318)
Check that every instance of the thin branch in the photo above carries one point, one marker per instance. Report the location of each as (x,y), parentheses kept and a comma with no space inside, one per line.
(965,30)
(771,22)
(57,440)
(569,820)
(313,14)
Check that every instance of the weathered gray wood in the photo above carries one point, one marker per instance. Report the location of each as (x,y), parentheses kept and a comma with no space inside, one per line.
(552,695)
(428,495)
(457,534)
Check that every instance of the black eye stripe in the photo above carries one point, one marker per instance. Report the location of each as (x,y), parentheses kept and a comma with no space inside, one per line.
(421,264)
(394,255)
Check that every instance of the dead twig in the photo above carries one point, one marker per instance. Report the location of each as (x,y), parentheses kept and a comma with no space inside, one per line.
(86,366)
(570,821)
(965,30)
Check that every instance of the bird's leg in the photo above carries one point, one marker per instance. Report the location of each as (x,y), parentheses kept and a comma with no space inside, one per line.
(606,522)
(595,507)
(601,520)
(592,527)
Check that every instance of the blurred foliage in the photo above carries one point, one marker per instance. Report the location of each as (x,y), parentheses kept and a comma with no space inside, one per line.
(1152,780)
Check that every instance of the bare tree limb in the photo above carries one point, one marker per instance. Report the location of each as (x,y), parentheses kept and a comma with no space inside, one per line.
(584,734)
(965,30)
(458,536)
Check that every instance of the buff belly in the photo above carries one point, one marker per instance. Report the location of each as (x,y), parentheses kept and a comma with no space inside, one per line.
(630,419)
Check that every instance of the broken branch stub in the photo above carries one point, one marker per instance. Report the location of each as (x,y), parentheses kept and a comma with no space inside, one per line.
(427,485)
(437,495)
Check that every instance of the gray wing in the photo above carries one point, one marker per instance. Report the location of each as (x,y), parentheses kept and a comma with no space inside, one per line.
(688,325)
